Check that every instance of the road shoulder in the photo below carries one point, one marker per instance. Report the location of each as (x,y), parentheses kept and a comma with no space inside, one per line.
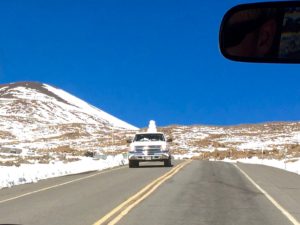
(282,185)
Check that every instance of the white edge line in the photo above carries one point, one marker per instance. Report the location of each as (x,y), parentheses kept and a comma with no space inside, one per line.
(58,185)
(271,199)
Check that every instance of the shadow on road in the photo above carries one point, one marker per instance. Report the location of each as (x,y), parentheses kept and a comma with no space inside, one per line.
(9,224)
(150,166)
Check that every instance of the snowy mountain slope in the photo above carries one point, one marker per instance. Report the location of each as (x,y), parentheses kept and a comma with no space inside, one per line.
(278,138)
(39,116)
(57,105)
(85,107)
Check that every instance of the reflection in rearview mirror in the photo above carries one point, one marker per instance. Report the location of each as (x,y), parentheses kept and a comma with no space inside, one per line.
(262,32)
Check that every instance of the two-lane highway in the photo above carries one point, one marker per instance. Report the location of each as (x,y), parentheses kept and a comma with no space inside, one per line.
(199,192)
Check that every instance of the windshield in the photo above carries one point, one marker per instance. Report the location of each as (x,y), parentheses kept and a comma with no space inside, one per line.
(80,81)
(149,137)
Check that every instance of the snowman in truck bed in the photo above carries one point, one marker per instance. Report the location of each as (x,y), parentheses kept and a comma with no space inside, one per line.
(149,146)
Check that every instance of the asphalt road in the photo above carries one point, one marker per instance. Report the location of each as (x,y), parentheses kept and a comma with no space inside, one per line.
(201,192)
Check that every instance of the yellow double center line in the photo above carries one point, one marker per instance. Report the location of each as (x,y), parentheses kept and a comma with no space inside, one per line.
(120,211)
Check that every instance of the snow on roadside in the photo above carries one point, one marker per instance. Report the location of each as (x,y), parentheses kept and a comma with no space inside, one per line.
(31,173)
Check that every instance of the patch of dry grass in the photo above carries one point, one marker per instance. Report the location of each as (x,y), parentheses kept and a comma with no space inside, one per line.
(9,163)
(66,150)
(235,154)
(6,135)
(115,152)
(68,160)
(15,162)
(294,151)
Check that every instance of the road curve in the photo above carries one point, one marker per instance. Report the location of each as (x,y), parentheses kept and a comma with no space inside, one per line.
(202,192)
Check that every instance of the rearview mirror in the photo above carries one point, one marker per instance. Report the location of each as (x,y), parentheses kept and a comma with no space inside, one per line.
(262,32)
(129,141)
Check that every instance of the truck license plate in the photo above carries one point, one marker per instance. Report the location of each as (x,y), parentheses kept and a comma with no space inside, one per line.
(148,157)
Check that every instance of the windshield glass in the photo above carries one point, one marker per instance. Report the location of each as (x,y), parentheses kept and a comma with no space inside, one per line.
(80,80)
(149,137)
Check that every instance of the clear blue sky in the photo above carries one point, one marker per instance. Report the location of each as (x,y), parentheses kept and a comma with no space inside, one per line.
(142,60)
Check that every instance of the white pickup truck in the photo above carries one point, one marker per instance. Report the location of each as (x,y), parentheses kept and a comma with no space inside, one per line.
(149,146)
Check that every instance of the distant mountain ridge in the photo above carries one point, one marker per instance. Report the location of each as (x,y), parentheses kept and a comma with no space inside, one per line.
(6,88)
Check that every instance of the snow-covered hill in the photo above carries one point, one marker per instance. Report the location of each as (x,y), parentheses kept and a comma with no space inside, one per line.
(35,116)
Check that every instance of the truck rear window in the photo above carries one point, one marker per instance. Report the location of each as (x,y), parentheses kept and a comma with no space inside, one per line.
(149,137)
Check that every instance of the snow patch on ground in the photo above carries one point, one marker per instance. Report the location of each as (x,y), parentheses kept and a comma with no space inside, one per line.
(31,173)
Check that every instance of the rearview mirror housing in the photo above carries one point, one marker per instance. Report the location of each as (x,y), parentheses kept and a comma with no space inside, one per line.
(262,32)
